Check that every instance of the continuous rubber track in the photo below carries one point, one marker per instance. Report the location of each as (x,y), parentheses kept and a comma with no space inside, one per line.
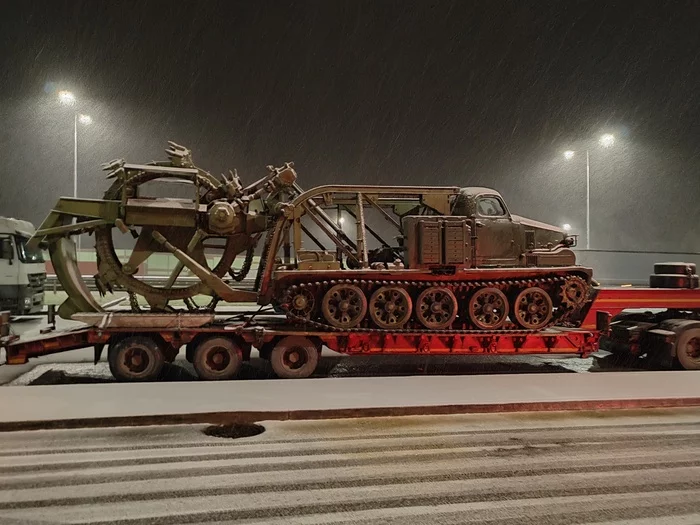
(636,468)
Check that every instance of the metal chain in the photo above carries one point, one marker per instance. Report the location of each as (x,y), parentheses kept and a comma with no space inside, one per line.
(247,264)
(263,260)
(134,302)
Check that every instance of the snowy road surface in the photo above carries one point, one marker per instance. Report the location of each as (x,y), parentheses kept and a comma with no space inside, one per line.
(640,468)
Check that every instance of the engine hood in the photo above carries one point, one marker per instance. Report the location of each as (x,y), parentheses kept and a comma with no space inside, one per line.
(538,225)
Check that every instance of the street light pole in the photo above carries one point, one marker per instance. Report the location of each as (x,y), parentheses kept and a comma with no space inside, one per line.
(588,201)
(75,162)
(606,141)
(68,99)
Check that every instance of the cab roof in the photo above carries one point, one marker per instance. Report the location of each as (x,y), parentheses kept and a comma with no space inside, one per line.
(8,225)
(473,191)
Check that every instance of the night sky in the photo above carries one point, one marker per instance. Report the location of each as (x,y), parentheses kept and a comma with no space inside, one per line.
(393,92)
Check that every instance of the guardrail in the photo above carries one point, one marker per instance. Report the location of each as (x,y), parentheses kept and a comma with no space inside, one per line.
(628,267)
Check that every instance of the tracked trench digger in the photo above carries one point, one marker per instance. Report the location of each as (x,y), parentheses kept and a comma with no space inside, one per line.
(457,259)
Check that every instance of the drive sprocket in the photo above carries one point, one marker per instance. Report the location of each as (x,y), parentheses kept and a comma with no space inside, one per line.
(574,292)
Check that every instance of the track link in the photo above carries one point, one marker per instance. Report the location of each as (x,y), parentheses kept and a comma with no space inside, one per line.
(460,288)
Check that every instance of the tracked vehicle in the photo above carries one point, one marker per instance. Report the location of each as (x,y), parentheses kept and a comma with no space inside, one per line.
(457,259)
(460,261)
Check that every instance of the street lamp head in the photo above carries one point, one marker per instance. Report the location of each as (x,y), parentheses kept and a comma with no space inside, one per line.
(341,220)
(568,155)
(566,227)
(607,140)
(66,98)
(85,119)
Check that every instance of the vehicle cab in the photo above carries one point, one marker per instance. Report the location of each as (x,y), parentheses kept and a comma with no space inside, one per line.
(504,239)
(22,269)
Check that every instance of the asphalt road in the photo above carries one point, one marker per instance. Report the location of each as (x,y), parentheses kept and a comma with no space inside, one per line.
(604,468)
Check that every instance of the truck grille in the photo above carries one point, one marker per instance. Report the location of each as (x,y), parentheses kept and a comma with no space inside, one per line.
(37,280)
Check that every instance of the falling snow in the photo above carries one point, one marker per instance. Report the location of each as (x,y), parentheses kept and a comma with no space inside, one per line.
(468,93)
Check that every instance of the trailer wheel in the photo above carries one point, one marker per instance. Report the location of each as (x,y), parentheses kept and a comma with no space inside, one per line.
(294,357)
(217,358)
(688,349)
(136,358)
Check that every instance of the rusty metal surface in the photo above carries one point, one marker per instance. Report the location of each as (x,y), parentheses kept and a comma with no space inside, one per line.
(219,209)
(145,321)
(488,309)
(64,259)
(344,306)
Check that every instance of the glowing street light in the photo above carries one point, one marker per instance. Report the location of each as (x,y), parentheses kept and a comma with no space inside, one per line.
(85,119)
(66,98)
(566,227)
(606,141)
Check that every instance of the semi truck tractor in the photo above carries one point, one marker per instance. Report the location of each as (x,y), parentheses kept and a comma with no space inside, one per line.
(22,269)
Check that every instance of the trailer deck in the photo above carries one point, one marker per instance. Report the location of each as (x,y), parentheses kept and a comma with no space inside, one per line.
(269,332)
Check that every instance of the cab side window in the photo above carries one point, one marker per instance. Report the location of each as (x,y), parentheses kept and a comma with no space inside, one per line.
(490,207)
(6,249)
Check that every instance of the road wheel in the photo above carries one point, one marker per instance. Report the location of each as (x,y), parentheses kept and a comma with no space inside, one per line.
(488,309)
(136,358)
(303,303)
(390,307)
(294,357)
(532,308)
(436,308)
(344,306)
(217,358)
(688,349)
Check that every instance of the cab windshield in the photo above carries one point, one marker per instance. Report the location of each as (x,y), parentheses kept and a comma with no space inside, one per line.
(27,255)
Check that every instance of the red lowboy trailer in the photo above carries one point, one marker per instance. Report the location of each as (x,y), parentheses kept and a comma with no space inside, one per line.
(139,344)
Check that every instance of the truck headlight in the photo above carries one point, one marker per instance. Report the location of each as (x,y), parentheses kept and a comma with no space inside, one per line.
(27,302)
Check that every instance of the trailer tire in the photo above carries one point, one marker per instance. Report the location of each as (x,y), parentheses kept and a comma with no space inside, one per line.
(674,281)
(136,358)
(217,358)
(688,349)
(675,268)
(294,357)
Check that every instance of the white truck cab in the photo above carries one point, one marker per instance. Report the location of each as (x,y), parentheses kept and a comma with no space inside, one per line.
(22,270)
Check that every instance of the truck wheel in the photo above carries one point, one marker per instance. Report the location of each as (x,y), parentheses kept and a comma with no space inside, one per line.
(688,349)
(294,357)
(217,358)
(136,358)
